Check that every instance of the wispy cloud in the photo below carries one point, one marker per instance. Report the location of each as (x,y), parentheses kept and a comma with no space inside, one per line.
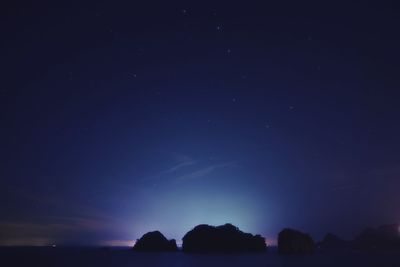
(202,172)
(183,161)
(186,168)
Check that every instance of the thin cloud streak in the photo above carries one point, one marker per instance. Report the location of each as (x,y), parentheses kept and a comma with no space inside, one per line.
(183,173)
(203,171)
(183,161)
(179,166)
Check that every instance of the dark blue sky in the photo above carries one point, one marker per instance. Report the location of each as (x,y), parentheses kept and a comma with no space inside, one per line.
(121,118)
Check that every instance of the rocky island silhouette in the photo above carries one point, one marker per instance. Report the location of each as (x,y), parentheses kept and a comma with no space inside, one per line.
(224,238)
(155,241)
(228,238)
(293,241)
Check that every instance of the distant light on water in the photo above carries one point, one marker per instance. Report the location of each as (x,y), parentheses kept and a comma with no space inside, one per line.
(118,243)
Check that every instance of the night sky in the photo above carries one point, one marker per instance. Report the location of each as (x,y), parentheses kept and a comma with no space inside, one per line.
(121,118)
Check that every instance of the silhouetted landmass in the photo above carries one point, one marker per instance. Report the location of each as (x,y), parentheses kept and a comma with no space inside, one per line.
(293,241)
(228,238)
(224,238)
(383,237)
(332,241)
(155,241)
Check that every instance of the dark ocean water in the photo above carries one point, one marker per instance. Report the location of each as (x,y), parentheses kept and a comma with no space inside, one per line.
(76,257)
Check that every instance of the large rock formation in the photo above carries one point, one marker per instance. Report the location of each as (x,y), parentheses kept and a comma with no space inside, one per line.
(155,241)
(383,237)
(293,241)
(332,241)
(224,238)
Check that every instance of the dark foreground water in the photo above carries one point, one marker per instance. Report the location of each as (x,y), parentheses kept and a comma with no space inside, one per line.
(76,257)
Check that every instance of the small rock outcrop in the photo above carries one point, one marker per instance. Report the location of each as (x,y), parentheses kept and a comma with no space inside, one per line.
(155,241)
(332,241)
(293,241)
(224,238)
(383,237)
